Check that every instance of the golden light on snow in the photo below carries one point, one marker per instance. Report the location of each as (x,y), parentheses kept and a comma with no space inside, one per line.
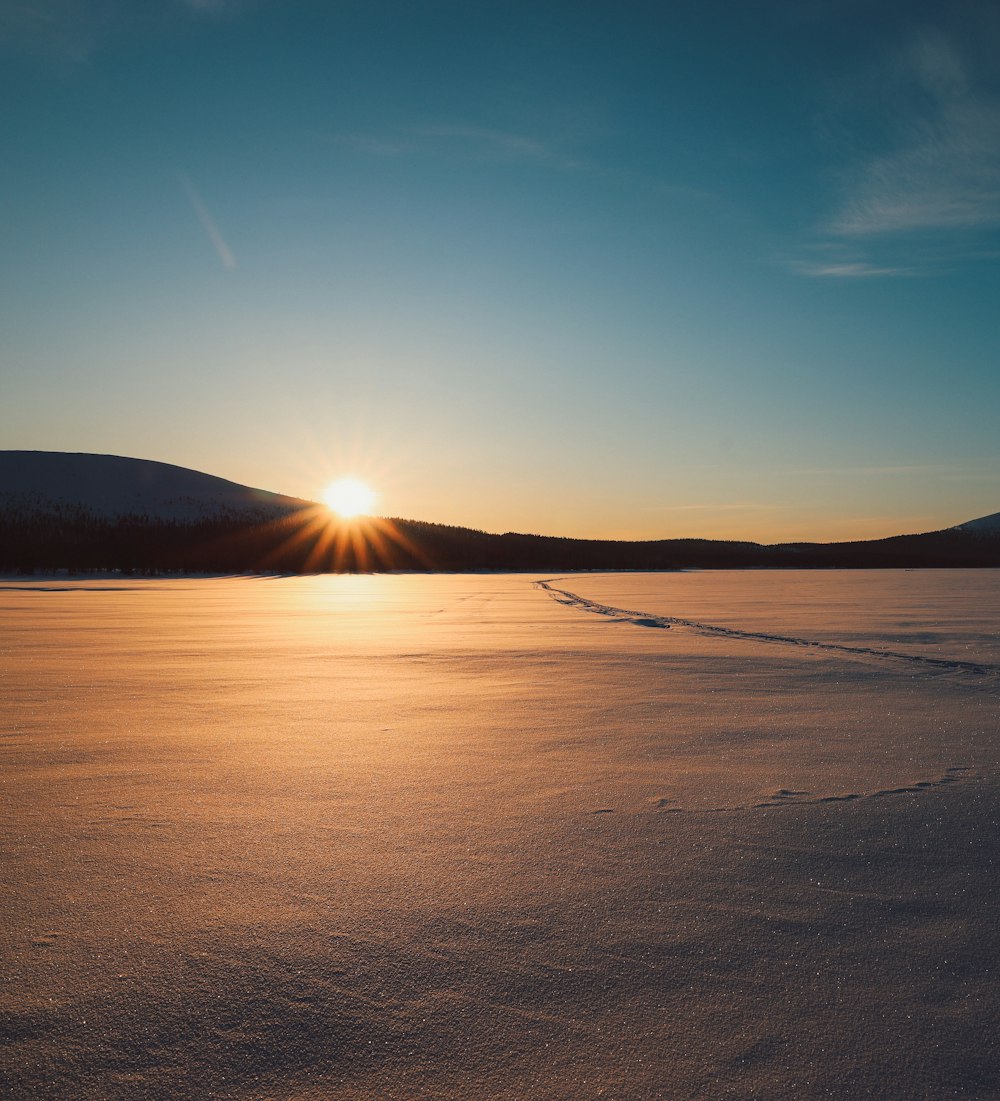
(349,497)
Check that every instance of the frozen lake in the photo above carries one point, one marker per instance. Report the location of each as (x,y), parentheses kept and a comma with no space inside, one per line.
(945,614)
(686,835)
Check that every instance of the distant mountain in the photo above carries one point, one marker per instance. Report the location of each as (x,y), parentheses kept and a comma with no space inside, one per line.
(103,512)
(985,525)
(112,486)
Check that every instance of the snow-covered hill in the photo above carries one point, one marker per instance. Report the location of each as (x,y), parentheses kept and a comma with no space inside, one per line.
(985,525)
(110,485)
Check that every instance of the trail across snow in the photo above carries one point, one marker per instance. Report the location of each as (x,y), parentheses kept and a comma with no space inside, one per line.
(648,619)
(349,837)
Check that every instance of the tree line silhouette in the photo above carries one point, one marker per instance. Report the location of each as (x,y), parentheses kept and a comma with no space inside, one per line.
(311,541)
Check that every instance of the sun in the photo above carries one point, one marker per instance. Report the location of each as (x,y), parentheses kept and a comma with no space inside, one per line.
(348,497)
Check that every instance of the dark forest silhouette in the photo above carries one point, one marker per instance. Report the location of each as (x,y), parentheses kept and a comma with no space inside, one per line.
(312,541)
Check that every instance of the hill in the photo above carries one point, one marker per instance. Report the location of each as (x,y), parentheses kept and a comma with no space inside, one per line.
(113,486)
(103,512)
(985,525)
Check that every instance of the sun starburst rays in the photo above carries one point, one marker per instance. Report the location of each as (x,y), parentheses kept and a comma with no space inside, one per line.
(315,541)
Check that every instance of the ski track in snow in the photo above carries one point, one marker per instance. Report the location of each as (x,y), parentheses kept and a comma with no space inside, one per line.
(647,619)
(784,797)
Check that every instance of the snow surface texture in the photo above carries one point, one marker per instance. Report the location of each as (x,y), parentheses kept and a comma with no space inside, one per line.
(448,837)
(109,485)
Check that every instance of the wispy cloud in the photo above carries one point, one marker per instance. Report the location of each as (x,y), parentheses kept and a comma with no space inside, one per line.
(947,471)
(212,231)
(215,7)
(919,179)
(500,144)
(476,142)
(852,270)
(737,507)
(981,476)
(942,170)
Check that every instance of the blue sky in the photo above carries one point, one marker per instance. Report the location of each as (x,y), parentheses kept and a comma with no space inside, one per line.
(635,270)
